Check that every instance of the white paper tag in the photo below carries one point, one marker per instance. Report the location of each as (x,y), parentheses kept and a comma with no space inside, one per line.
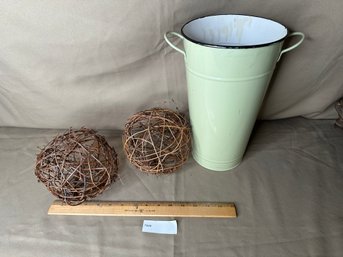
(160,227)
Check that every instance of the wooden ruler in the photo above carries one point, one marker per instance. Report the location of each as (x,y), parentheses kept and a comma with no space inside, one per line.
(146,209)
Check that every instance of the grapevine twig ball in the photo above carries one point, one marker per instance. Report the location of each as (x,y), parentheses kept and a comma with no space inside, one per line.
(77,165)
(157,141)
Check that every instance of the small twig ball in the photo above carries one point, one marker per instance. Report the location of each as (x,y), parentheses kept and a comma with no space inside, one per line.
(157,141)
(77,165)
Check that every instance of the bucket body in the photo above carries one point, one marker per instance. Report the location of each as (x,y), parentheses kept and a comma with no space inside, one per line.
(229,64)
(225,92)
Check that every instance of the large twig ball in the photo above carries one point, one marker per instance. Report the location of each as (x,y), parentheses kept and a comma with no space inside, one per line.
(157,141)
(77,165)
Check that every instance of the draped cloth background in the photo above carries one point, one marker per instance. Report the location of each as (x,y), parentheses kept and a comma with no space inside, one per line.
(288,192)
(94,63)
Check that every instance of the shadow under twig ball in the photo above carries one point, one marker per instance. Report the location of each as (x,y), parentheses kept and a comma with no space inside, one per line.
(157,141)
(77,165)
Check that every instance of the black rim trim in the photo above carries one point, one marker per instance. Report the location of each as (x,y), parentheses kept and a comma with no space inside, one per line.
(228,46)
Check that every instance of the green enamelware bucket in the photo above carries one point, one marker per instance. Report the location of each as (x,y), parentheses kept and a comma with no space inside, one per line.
(229,61)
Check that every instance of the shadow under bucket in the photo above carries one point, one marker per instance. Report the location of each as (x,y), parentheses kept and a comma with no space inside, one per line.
(229,62)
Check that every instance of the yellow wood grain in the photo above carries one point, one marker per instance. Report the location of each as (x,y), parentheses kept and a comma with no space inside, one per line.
(146,209)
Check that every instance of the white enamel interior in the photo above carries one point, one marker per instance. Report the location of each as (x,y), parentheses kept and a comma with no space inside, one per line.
(234,30)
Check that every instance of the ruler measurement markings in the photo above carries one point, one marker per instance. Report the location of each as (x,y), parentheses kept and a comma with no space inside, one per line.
(162,209)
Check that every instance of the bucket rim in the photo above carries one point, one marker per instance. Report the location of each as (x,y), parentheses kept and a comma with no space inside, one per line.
(218,46)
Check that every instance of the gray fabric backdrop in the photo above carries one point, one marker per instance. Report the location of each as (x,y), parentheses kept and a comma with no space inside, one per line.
(94,63)
(288,192)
